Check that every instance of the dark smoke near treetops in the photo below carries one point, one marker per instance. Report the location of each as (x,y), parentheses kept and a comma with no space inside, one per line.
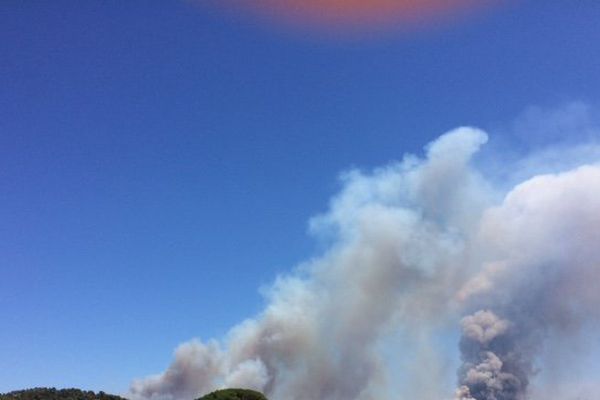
(421,245)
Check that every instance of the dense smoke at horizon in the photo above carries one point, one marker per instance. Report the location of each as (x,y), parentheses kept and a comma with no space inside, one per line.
(419,245)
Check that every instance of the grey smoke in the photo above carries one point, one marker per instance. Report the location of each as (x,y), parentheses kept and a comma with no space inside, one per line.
(493,368)
(541,276)
(483,327)
(416,244)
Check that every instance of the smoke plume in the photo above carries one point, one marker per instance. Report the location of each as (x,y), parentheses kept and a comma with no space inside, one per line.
(542,279)
(420,245)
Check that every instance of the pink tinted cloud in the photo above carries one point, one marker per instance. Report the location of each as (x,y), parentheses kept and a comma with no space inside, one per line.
(355,15)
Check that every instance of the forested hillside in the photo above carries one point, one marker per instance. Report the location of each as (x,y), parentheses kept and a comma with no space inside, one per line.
(57,394)
(234,394)
(77,394)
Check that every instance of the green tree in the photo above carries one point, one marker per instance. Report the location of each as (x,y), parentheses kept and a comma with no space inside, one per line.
(234,394)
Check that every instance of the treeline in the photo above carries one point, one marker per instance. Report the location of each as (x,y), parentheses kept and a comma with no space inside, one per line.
(77,394)
(57,394)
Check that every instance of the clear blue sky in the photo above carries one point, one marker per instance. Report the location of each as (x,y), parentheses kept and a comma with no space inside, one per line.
(159,160)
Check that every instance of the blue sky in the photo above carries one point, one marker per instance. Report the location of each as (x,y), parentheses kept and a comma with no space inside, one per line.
(159,161)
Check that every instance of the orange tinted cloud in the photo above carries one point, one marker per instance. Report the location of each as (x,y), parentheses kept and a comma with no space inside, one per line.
(355,13)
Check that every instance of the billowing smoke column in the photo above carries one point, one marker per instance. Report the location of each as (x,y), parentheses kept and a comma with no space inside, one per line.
(540,278)
(493,368)
(415,245)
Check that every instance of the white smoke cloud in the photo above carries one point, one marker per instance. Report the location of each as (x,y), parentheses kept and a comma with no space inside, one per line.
(192,372)
(541,274)
(416,244)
